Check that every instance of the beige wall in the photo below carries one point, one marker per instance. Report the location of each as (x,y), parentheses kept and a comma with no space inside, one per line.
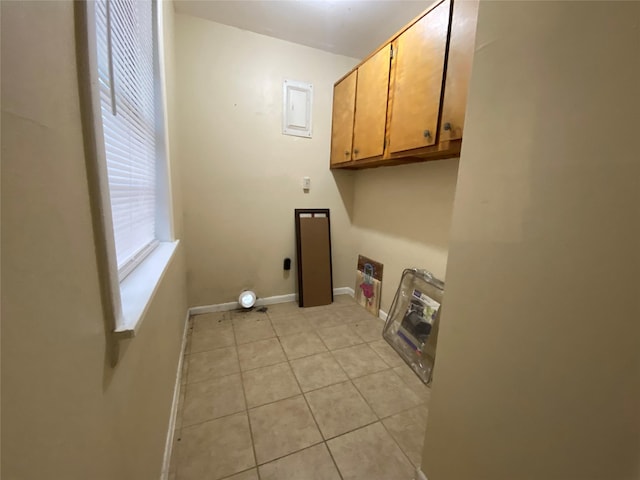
(402,217)
(65,413)
(538,355)
(170,93)
(242,178)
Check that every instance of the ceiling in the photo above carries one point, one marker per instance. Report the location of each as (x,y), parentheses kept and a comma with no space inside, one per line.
(345,27)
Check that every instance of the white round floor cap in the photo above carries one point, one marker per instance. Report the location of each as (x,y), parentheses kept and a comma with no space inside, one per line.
(247,299)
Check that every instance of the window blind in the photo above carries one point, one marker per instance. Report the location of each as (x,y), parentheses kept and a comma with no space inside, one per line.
(125,53)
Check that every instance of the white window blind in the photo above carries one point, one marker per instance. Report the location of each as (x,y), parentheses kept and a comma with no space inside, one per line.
(125,53)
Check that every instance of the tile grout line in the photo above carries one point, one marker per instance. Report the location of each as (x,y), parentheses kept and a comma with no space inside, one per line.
(406,455)
(359,376)
(324,441)
(395,413)
(353,429)
(209,349)
(238,473)
(300,393)
(246,403)
(321,442)
(313,328)
(311,411)
(347,380)
(289,361)
(208,379)
(379,419)
(226,415)
(306,401)
(353,385)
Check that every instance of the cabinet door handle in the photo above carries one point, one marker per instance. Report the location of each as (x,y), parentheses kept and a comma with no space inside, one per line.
(355,152)
(427,134)
(447,126)
(346,153)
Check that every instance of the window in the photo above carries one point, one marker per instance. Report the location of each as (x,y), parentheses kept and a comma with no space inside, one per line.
(129,172)
(125,54)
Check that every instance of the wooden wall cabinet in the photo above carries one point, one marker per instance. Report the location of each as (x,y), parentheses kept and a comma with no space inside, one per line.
(371,105)
(410,94)
(360,109)
(417,82)
(461,43)
(344,98)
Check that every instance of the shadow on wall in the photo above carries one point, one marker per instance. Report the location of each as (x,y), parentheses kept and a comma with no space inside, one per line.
(413,202)
(345,184)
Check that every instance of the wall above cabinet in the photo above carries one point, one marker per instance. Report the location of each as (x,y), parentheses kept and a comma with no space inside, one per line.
(406,101)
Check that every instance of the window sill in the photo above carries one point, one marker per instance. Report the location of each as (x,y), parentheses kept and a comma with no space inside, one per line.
(139,287)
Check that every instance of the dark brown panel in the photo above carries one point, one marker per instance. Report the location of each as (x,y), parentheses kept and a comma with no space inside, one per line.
(315,284)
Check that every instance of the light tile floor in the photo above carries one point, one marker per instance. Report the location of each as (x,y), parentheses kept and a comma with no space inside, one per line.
(296,394)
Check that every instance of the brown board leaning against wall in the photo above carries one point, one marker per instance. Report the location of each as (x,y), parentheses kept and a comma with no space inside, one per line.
(313,242)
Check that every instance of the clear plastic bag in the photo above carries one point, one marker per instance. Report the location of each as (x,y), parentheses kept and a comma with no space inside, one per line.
(412,323)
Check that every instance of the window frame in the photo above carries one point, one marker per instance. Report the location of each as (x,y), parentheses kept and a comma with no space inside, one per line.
(125,297)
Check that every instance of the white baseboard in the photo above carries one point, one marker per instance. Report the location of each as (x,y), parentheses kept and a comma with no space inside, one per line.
(164,475)
(344,291)
(383,315)
(223,307)
(290,297)
(420,475)
(219,307)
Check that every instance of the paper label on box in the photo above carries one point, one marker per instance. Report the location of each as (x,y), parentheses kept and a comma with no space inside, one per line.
(431,307)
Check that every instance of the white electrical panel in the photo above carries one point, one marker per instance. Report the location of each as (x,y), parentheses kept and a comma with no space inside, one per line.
(296,110)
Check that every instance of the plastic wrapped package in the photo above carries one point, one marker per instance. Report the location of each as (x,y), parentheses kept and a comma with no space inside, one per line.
(412,323)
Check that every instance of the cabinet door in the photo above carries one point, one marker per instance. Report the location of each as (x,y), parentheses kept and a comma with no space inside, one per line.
(461,43)
(417,85)
(371,105)
(344,97)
